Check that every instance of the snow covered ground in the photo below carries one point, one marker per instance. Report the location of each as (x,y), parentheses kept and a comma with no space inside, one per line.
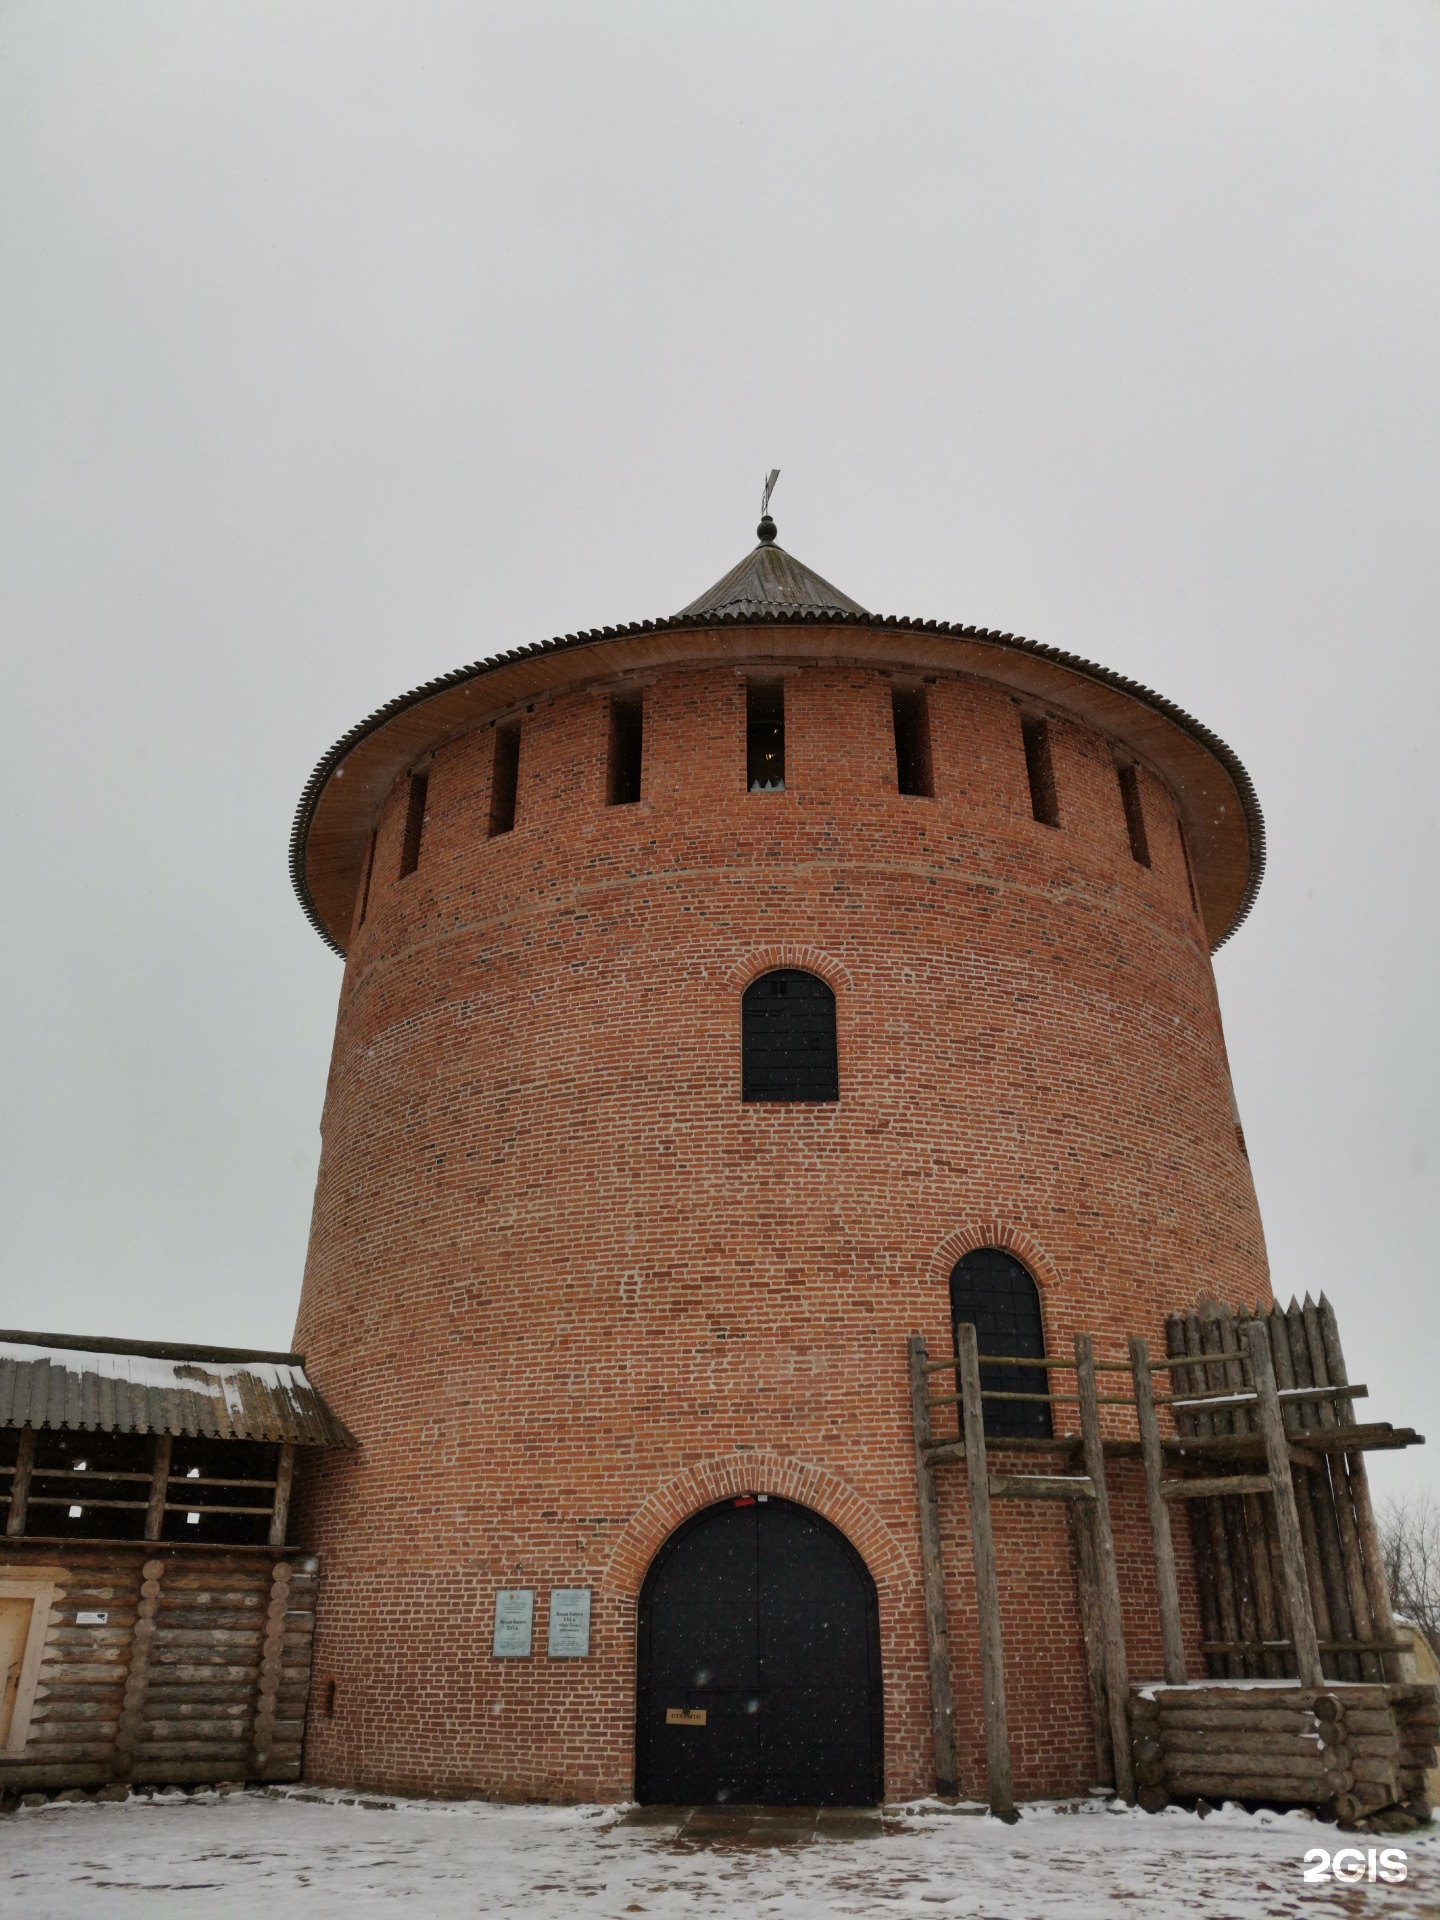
(310,1859)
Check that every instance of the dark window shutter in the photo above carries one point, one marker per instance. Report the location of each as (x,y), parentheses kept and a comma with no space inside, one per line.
(788,1039)
(993,1293)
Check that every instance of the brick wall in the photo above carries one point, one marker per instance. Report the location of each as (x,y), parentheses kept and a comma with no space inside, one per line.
(566,1288)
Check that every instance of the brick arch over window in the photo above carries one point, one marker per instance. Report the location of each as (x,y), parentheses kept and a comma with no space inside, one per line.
(1010,1239)
(779,959)
(732,1474)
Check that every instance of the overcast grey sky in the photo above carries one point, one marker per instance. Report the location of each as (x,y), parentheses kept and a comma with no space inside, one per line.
(343,343)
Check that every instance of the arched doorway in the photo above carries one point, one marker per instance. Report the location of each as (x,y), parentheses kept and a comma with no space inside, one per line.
(759,1664)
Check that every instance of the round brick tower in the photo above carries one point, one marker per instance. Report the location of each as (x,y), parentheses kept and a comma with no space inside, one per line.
(718,989)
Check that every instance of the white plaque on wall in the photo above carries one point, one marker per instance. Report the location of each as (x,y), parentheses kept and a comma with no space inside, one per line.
(514,1622)
(570,1623)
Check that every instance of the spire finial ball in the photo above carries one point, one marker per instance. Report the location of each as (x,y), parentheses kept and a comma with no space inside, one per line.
(766,531)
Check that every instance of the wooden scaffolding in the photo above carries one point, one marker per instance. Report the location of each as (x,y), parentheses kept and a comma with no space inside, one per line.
(1259,1441)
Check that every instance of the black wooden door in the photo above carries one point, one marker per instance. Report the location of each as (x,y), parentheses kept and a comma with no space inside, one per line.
(759,1681)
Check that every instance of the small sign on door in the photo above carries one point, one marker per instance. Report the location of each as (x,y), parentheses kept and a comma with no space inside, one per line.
(514,1623)
(684,1716)
(570,1623)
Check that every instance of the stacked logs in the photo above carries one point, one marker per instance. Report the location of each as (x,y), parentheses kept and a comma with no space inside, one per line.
(1281,1744)
(1417,1722)
(1359,1752)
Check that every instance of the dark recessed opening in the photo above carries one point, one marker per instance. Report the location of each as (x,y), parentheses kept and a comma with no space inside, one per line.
(329,1699)
(627,743)
(414,824)
(788,1049)
(912,741)
(1039,767)
(365,886)
(1189,870)
(1134,814)
(765,736)
(505,780)
(995,1294)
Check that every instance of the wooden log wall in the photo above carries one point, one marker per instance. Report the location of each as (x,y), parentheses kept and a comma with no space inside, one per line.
(1359,1751)
(200,1672)
(1240,1575)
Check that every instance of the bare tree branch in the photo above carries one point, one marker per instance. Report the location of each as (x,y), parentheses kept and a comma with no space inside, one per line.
(1410,1547)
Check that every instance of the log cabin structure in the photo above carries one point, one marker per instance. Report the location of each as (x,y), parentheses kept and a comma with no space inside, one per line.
(155,1618)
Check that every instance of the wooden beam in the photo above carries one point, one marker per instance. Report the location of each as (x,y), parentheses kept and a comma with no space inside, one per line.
(1172,1634)
(280,1512)
(20,1485)
(1117,1676)
(1215,1487)
(159,1486)
(1038,1486)
(1292,1556)
(987,1583)
(932,1573)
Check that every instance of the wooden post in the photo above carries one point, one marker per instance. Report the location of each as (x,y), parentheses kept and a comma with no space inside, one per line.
(159,1486)
(1377,1587)
(932,1577)
(1172,1636)
(1292,1553)
(280,1511)
(1370,1665)
(1282,1354)
(1088,1584)
(20,1485)
(1117,1676)
(1202,1380)
(987,1584)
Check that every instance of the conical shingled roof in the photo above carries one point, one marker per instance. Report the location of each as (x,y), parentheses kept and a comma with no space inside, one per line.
(770,581)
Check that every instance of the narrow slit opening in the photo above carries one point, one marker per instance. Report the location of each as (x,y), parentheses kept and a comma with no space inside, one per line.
(627,745)
(765,736)
(1134,815)
(365,884)
(1041,771)
(1189,870)
(414,823)
(505,780)
(911,711)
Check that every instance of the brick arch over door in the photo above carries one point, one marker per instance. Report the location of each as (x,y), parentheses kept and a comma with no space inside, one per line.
(723,1478)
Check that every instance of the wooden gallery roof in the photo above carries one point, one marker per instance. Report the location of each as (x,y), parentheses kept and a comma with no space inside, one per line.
(122,1386)
(772,609)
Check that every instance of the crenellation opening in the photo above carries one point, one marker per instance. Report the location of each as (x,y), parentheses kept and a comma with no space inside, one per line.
(910,707)
(1039,766)
(505,780)
(414,823)
(627,745)
(1129,779)
(365,886)
(765,736)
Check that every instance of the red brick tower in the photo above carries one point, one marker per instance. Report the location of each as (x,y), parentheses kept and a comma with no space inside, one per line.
(609,1233)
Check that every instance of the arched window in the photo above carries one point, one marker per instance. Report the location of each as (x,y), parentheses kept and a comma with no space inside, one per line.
(788,1038)
(994,1293)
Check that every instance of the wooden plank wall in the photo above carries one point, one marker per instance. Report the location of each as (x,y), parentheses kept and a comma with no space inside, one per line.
(201,1672)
